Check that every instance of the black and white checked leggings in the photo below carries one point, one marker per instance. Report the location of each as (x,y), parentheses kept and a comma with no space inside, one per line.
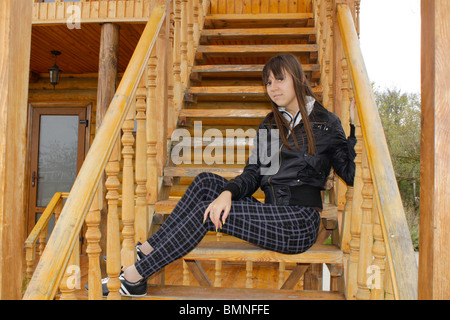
(285,229)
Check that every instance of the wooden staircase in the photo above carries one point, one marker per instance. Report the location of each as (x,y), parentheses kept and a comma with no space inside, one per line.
(226,93)
(212,91)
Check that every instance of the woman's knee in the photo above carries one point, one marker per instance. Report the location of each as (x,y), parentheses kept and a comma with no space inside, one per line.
(209,177)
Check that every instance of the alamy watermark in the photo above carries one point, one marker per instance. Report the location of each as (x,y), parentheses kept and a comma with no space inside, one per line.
(74,19)
(209,147)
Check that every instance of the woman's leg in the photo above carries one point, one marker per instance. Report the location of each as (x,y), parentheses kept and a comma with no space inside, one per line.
(286,229)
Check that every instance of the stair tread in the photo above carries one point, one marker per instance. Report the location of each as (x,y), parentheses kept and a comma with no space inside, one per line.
(244,251)
(244,68)
(261,16)
(230,90)
(166,206)
(156,292)
(256,49)
(192,171)
(222,113)
(239,32)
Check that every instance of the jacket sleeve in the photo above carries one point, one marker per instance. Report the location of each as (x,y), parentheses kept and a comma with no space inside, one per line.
(249,180)
(343,153)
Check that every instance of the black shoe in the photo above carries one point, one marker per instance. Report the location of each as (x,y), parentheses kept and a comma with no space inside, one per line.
(128,289)
(140,255)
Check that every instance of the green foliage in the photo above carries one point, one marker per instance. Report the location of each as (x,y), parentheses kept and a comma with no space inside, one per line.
(400,116)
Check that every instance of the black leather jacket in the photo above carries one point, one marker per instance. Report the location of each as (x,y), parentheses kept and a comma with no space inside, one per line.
(293,177)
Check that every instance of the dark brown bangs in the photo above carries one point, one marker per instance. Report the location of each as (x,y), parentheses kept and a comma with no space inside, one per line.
(276,67)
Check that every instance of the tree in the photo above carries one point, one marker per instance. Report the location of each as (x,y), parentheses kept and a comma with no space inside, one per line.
(400,116)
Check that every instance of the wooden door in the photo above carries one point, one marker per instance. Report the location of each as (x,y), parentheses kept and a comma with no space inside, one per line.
(58,147)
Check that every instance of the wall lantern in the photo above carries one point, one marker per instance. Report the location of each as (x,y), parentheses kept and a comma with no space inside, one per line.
(54,71)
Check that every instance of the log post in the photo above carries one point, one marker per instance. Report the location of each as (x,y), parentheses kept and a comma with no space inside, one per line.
(107,83)
(434,256)
(15,43)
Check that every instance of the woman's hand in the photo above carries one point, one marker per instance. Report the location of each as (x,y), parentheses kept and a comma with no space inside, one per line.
(221,204)
(352,111)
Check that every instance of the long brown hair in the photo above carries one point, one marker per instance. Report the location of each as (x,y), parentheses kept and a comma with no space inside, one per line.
(279,65)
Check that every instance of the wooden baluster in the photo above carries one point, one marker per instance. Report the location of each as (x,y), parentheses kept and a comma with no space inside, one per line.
(249,275)
(93,250)
(281,273)
(196,31)
(379,256)
(357,24)
(171,114)
(177,86)
(113,264)
(366,241)
(128,253)
(218,265)
(218,274)
(184,40)
(186,275)
(356,218)
(30,258)
(152,135)
(141,218)
(71,277)
(42,240)
(190,36)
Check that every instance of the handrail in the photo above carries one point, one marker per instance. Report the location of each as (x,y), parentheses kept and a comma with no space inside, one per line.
(43,220)
(400,253)
(54,260)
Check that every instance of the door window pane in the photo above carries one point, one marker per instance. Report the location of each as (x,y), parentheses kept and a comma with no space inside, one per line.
(57,160)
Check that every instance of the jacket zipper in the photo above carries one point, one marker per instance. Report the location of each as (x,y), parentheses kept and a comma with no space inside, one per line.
(279,166)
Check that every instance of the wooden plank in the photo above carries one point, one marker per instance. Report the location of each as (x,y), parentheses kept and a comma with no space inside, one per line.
(237,251)
(244,68)
(166,206)
(434,256)
(254,32)
(205,293)
(194,171)
(224,113)
(261,16)
(15,44)
(258,49)
(197,270)
(235,90)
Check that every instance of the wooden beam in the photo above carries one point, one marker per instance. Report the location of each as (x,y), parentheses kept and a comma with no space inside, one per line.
(15,41)
(434,256)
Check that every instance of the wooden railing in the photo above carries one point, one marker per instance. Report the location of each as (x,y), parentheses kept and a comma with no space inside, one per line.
(40,231)
(377,236)
(55,258)
(130,150)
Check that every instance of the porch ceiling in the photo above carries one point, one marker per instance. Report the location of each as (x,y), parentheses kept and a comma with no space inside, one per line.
(79,47)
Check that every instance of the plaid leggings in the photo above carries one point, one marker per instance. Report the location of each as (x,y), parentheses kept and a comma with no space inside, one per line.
(285,229)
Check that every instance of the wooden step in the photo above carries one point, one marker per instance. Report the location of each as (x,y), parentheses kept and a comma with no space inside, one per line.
(224,113)
(156,292)
(256,32)
(257,50)
(244,251)
(166,207)
(235,90)
(257,68)
(192,171)
(259,20)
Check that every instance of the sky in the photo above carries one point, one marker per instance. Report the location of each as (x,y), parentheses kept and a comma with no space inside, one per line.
(390,43)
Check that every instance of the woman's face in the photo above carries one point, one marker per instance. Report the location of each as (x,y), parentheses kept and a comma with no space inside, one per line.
(281,91)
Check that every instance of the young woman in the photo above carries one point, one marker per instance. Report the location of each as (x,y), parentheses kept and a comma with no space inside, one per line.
(311,141)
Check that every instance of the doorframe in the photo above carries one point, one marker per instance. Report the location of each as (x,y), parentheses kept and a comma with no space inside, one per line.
(57,106)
